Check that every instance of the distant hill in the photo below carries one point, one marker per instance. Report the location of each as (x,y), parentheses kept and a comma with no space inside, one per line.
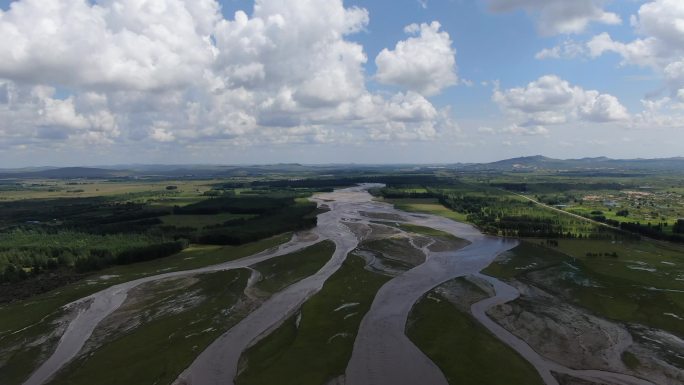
(64,173)
(183,171)
(539,162)
(594,166)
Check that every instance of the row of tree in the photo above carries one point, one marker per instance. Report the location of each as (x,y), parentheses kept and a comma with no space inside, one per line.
(655,231)
(678,227)
(496,213)
(651,231)
(23,263)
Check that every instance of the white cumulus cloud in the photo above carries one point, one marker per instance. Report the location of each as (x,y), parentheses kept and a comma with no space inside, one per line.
(179,72)
(660,47)
(551,100)
(569,49)
(424,63)
(560,16)
(124,44)
(660,24)
(522,130)
(32,114)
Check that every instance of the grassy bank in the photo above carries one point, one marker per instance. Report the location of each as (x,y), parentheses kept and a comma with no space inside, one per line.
(317,348)
(157,351)
(283,271)
(637,281)
(462,348)
(65,237)
(426,206)
(28,320)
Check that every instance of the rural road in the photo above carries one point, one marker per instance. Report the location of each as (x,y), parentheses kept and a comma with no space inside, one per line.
(556,209)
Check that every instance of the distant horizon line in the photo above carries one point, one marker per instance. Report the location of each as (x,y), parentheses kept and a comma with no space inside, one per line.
(139,164)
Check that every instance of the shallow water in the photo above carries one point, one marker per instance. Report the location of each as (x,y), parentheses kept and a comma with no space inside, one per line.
(382,353)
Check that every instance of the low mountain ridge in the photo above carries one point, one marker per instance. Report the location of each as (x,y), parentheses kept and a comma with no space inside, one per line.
(519,164)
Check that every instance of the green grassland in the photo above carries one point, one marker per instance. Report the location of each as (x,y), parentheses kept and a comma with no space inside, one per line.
(637,281)
(317,348)
(25,252)
(194,257)
(278,273)
(443,240)
(426,206)
(49,229)
(201,221)
(157,351)
(633,197)
(463,349)
(46,239)
(493,210)
(30,319)
(504,203)
(18,358)
(398,252)
(65,236)
(53,188)
(614,274)
(429,231)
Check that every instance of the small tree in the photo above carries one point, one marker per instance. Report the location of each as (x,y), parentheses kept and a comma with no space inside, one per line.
(678,227)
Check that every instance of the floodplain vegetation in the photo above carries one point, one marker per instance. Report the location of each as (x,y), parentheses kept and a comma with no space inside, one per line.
(45,243)
(313,346)
(22,323)
(607,243)
(463,349)
(611,270)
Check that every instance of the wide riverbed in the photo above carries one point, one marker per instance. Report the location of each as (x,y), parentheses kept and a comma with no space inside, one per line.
(382,353)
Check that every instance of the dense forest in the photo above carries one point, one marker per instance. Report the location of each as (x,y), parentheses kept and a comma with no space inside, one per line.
(27,252)
(79,235)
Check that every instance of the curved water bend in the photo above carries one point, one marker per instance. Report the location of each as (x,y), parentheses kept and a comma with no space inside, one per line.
(218,364)
(382,353)
(96,307)
(544,366)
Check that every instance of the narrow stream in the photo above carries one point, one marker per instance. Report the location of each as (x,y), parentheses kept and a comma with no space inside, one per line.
(506,293)
(382,353)
(96,307)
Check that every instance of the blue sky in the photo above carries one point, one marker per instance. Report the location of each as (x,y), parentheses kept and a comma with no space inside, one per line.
(180,81)
(496,47)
